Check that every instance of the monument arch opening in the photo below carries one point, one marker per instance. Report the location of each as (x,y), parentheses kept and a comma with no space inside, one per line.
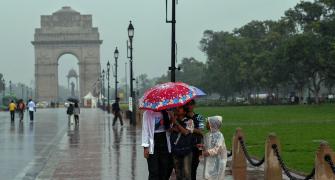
(65,32)
(68,77)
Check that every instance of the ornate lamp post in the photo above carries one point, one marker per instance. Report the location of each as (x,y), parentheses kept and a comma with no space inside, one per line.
(4,90)
(132,93)
(108,86)
(10,88)
(103,90)
(116,56)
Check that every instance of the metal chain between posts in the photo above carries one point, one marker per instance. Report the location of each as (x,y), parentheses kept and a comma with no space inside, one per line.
(246,154)
(328,159)
(285,169)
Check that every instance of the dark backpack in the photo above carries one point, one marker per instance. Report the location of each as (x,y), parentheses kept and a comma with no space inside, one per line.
(69,110)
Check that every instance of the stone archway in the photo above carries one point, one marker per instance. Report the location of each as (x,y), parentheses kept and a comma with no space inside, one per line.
(65,32)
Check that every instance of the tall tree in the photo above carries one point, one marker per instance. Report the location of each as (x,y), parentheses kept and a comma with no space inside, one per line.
(191,72)
(223,51)
(307,65)
(313,43)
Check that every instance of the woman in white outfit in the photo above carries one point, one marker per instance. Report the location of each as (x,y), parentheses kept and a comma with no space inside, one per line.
(156,144)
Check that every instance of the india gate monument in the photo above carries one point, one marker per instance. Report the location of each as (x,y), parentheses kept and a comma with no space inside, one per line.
(65,32)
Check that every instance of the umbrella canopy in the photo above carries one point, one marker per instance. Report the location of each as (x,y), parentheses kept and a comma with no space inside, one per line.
(198,91)
(168,95)
(73,99)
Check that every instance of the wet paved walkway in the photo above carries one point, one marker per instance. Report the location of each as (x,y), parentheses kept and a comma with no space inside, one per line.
(50,149)
(22,144)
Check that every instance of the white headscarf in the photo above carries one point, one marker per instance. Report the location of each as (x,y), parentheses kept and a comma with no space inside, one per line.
(215,123)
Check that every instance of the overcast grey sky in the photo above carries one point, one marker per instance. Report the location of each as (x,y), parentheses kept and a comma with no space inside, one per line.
(152,35)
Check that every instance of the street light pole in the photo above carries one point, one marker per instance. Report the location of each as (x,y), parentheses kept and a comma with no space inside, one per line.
(126,79)
(172,68)
(116,56)
(108,86)
(10,88)
(103,90)
(132,94)
(4,90)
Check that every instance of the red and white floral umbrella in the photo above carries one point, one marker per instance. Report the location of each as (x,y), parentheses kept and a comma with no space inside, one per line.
(167,95)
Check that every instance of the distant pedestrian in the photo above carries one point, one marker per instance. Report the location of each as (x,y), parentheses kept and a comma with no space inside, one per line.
(292,99)
(215,151)
(12,108)
(31,109)
(76,112)
(21,108)
(69,112)
(117,111)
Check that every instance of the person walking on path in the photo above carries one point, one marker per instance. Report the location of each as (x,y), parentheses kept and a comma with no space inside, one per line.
(117,111)
(21,108)
(69,112)
(182,142)
(31,109)
(76,112)
(12,108)
(197,135)
(215,151)
(156,144)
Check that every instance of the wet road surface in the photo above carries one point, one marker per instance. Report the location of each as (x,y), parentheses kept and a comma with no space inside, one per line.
(49,148)
(24,144)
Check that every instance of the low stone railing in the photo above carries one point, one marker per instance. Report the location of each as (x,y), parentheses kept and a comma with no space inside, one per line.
(274,166)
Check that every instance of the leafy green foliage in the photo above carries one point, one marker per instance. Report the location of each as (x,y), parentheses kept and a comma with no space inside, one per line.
(297,50)
(291,54)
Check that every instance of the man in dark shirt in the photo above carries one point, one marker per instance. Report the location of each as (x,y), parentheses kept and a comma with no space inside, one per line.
(117,111)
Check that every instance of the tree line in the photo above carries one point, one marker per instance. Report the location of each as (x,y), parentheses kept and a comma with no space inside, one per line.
(295,52)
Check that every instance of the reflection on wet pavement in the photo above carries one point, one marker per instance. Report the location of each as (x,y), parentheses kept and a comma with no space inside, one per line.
(22,145)
(49,148)
(92,150)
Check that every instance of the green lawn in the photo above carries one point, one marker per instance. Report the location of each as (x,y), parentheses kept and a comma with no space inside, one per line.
(299,129)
